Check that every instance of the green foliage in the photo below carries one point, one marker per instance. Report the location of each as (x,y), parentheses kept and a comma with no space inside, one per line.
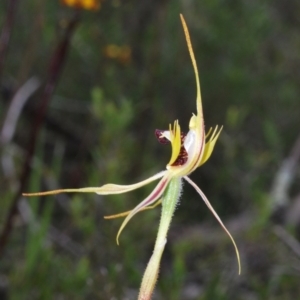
(116,119)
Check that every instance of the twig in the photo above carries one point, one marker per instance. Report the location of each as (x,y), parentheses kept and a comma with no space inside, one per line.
(55,68)
(284,177)
(15,109)
(288,239)
(293,213)
(6,31)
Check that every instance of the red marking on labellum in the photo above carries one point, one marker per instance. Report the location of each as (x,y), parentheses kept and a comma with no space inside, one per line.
(182,157)
(160,137)
(164,140)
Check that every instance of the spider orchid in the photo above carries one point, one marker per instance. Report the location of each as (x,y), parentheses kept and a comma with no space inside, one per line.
(189,151)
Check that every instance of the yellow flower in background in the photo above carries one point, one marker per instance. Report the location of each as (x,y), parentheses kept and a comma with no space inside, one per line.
(189,151)
(83,4)
(119,53)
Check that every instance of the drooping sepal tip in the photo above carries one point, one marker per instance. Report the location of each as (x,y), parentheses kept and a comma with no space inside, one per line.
(155,195)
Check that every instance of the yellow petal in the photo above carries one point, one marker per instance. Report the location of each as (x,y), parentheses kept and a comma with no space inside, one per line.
(208,133)
(194,185)
(175,137)
(210,144)
(107,189)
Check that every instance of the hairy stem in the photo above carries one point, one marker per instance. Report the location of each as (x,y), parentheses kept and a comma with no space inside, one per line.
(169,201)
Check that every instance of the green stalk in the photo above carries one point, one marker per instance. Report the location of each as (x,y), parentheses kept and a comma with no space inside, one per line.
(169,201)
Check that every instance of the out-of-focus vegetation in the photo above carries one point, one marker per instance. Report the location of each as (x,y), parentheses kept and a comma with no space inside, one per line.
(127,72)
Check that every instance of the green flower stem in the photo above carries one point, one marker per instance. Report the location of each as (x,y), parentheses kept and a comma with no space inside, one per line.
(169,201)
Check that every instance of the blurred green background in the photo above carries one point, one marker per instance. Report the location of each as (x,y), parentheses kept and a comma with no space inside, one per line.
(127,72)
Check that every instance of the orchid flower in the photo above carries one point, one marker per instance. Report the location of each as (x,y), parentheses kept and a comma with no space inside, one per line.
(189,151)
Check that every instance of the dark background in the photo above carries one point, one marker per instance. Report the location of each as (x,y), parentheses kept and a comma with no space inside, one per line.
(95,85)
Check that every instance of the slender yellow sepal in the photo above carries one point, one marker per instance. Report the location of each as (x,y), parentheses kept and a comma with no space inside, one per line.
(195,186)
(209,145)
(190,48)
(126,213)
(107,189)
(55,192)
